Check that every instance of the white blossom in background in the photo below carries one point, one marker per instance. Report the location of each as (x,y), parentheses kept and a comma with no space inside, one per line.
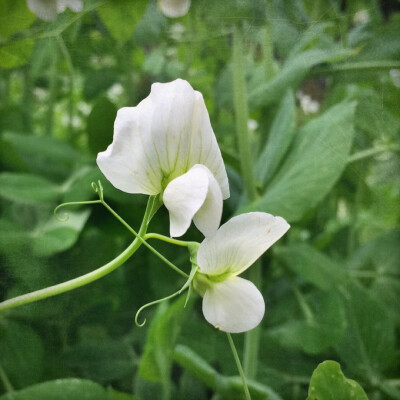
(230,303)
(361,17)
(252,125)
(114,92)
(165,145)
(177,31)
(395,77)
(307,104)
(48,9)
(174,8)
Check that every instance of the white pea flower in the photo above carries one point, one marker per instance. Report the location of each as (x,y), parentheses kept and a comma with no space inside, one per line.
(165,145)
(48,9)
(174,8)
(230,303)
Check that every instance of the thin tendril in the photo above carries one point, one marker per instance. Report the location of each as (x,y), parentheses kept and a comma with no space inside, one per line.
(72,203)
(184,287)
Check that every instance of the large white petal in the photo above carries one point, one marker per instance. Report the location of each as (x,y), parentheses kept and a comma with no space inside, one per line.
(44,9)
(183,197)
(162,138)
(208,218)
(234,305)
(174,8)
(240,242)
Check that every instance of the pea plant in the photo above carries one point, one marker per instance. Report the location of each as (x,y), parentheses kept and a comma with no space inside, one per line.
(152,152)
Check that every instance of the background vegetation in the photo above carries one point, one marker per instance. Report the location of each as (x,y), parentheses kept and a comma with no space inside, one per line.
(329,163)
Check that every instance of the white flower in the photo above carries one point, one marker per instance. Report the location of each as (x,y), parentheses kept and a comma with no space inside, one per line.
(166,146)
(230,303)
(174,8)
(48,9)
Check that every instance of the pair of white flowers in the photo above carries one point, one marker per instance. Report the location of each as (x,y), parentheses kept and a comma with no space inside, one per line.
(166,146)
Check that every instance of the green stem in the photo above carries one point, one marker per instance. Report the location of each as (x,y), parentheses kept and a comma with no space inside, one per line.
(52,95)
(239,366)
(142,239)
(252,337)
(307,312)
(242,115)
(6,382)
(165,239)
(356,67)
(360,155)
(68,59)
(84,279)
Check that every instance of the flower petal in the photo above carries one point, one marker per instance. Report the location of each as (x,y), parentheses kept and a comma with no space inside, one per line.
(162,138)
(239,242)
(44,9)
(208,218)
(174,8)
(234,305)
(184,196)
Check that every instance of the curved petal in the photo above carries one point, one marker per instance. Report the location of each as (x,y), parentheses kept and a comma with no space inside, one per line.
(183,197)
(234,305)
(74,5)
(162,138)
(44,9)
(240,242)
(174,8)
(208,218)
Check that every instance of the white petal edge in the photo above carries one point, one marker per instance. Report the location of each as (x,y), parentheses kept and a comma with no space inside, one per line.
(174,8)
(184,196)
(208,217)
(44,9)
(234,305)
(240,242)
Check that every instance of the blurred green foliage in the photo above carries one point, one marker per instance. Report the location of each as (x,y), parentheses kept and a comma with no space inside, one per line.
(331,286)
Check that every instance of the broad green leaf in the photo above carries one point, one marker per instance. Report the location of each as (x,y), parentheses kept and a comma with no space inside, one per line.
(368,345)
(322,329)
(279,138)
(315,162)
(121,16)
(38,153)
(312,265)
(164,330)
(56,236)
(329,383)
(100,125)
(16,54)
(292,74)
(103,360)
(61,389)
(14,16)
(27,188)
(21,353)
(98,82)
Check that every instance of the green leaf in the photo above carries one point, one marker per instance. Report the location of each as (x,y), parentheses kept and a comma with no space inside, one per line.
(16,54)
(279,138)
(121,16)
(37,153)
(292,74)
(61,389)
(329,383)
(164,330)
(103,360)
(368,345)
(100,125)
(14,16)
(55,236)
(21,353)
(323,328)
(312,265)
(316,160)
(27,188)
